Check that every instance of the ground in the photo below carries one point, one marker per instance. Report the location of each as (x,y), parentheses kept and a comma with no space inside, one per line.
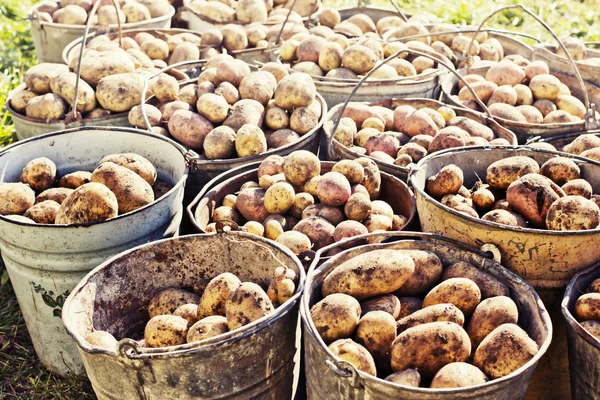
(21,376)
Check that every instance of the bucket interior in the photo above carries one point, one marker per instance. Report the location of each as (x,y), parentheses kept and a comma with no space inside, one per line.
(578,287)
(115,296)
(82,149)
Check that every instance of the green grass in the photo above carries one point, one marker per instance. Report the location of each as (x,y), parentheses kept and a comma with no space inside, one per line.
(21,375)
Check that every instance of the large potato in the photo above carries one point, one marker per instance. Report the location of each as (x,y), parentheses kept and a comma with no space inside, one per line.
(259,86)
(429,347)
(64,86)
(370,274)
(96,67)
(428,270)
(15,198)
(246,304)
(246,111)
(295,90)
(219,143)
(457,375)
(169,300)
(462,292)
(38,77)
(89,203)
(47,107)
(488,285)
(532,195)
(490,314)
(447,181)
(39,174)
(250,203)
(279,198)
(336,316)
(560,170)
(376,331)
(319,231)
(250,140)
(436,313)
(189,128)
(500,174)
(166,330)
(215,295)
(138,164)
(121,92)
(355,354)
(573,213)
(300,166)
(131,190)
(333,189)
(506,349)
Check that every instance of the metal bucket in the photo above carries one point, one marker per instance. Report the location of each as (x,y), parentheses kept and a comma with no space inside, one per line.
(560,141)
(584,349)
(50,38)
(45,262)
(256,361)
(588,72)
(335,150)
(393,191)
(329,378)
(547,259)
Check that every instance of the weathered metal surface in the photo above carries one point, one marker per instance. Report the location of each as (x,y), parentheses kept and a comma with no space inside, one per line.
(45,262)
(256,56)
(329,378)
(525,131)
(547,259)
(560,141)
(50,38)
(558,63)
(27,127)
(584,349)
(252,362)
(342,152)
(393,191)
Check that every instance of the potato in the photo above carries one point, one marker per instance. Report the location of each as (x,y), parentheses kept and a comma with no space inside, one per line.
(333,189)
(462,292)
(72,15)
(156,49)
(560,170)
(234,37)
(251,11)
(500,174)
(573,213)
(505,217)
(532,195)
(559,117)
(359,59)
(47,107)
(135,116)
(429,347)
(376,331)
(587,307)
(39,174)
(534,68)
(215,295)
(43,213)
(388,303)
(20,98)
(166,330)
(583,143)
(506,349)
(208,327)
(592,327)
(278,70)
(417,123)
(447,181)
(121,92)
(189,128)
(571,104)
(89,203)
(330,18)
(167,110)
(300,166)
(447,138)
(578,187)
(355,354)
(295,90)
(372,179)
(594,154)
(388,271)
(135,163)
(490,314)
(250,140)
(505,73)
(107,15)
(165,88)
(55,194)
(245,112)
(131,190)
(428,271)
(63,85)
(483,199)
(336,316)
(216,11)
(15,198)
(347,229)
(408,377)
(295,241)
(435,313)
(457,375)
(228,91)
(75,179)
(488,285)
(332,214)
(545,86)
(246,304)
(259,86)
(219,143)
(276,118)
(358,207)
(135,12)
(531,114)
(318,229)
(169,300)
(102,339)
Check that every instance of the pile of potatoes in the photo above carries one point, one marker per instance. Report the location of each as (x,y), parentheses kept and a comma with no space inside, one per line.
(407,134)
(75,12)
(586,145)
(301,209)
(231,111)
(518,90)
(252,11)
(587,309)
(413,321)
(519,192)
(120,184)
(178,316)
(576,48)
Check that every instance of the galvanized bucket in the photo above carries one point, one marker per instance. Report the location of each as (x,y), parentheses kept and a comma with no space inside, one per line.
(393,191)
(335,150)
(45,262)
(547,259)
(50,38)
(584,349)
(329,378)
(556,62)
(560,141)
(256,361)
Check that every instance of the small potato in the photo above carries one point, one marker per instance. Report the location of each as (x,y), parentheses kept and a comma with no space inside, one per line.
(165,88)
(388,303)
(355,354)
(227,90)
(169,300)
(43,213)
(301,202)
(102,339)
(505,217)
(587,307)
(250,203)
(259,86)
(560,170)
(408,377)
(213,107)
(39,174)
(71,15)
(378,223)
(571,104)
(279,198)
(376,331)
(303,120)
(578,187)
(357,207)
(135,116)
(167,110)
(135,12)
(215,295)
(220,143)
(155,48)
(462,292)
(447,138)
(457,375)
(245,112)
(500,174)
(295,241)
(409,305)
(488,285)
(506,349)
(187,311)
(583,143)
(418,123)
(278,70)
(483,199)
(536,68)
(131,190)
(336,316)
(429,347)
(347,229)
(390,270)
(75,179)
(255,228)
(560,117)
(318,230)
(38,77)
(250,140)
(353,171)
(271,165)
(300,166)
(524,95)
(330,18)
(428,271)
(573,213)
(531,114)
(447,181)
(332,214)
(47,107)
(20,98)
(276,118)
(206,328)
(503,94)
(490,314)
(55,194)
(435,313)
(225,213)
(166,330)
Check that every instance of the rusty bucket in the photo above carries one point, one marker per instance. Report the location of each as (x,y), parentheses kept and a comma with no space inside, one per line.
(584,349)
(255,361)
(329,378)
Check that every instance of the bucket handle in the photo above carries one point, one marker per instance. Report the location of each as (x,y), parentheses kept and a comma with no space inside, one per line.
(147,82)
(83,43)
(398,10)
(586,97)
(331,151)
(127,350)
(284,22)
(345,370)
(465,30)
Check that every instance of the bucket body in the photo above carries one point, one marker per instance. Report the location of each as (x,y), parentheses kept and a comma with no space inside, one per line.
(255,361)
(45,262)
(584,349)
(343,152)
(588,72)
(50,38)
(329,379)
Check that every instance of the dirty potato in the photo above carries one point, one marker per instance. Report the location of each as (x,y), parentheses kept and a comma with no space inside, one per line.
(355,354)
(207,327)
(462,292)
(89,203)
(246,304)
(131,190)
(215,295)
(169,300)
(166,330)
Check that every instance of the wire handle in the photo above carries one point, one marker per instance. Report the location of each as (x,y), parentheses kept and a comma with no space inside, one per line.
(83,43)
(399,11)
(285,22)
(331,151)
(586,97)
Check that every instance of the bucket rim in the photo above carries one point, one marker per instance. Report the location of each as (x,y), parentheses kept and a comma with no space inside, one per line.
(126,345)
(406,235)
(32,15)
(177,186)
(571,291)
(235,173)
(420,191)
